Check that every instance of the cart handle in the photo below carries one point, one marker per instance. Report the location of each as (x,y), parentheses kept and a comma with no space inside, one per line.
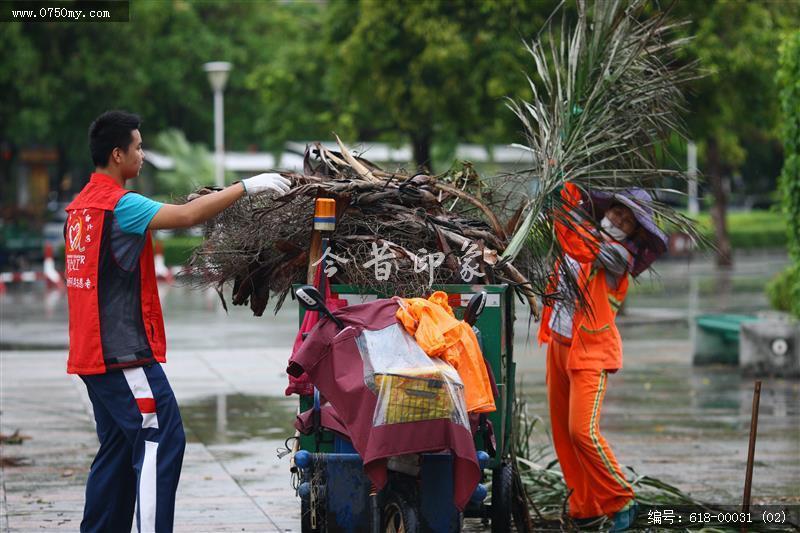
(311,300)
(475,307)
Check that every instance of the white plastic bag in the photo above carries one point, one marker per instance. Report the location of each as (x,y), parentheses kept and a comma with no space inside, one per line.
(411,387)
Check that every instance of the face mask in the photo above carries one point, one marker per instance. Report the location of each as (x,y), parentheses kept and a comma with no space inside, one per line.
(612,230)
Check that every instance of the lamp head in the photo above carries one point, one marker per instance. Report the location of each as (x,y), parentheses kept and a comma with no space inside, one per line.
(218,74)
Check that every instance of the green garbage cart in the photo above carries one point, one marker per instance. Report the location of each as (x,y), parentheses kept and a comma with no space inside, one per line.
(495,324)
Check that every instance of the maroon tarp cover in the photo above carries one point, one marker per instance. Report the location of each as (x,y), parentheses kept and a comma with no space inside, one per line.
(300,384)
(332,360)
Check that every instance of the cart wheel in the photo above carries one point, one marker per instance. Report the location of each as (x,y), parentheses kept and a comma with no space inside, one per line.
(399,516)
(502,482)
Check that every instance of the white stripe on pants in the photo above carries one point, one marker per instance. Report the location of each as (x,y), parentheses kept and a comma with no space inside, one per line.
(147,488)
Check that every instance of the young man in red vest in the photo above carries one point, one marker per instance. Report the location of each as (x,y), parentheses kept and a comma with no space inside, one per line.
(116,329)
(584,345)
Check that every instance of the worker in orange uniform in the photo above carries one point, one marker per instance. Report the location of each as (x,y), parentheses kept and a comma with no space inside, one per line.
(584,345)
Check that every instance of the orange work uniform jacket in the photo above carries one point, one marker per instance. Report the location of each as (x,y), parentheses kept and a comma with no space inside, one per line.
(596,343)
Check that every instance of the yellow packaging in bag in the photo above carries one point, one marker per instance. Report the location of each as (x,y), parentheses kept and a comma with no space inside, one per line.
(415,394)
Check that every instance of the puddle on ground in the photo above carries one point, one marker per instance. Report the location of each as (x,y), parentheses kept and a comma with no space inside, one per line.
(698,288)
(233,418)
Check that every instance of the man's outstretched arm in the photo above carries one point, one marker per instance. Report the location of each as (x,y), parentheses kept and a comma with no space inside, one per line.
(172,216)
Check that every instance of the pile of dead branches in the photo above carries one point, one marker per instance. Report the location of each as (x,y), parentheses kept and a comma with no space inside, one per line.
(427,229)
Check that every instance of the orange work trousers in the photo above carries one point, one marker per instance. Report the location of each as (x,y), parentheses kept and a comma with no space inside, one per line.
(590,469)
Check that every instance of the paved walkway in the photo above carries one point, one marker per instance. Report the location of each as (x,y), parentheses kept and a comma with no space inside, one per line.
(224,487)
(685,425)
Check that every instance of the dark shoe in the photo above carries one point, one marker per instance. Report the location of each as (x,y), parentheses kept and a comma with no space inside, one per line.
(623,519)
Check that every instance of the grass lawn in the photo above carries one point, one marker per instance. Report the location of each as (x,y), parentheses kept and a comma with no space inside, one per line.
(750,229)
(178,249)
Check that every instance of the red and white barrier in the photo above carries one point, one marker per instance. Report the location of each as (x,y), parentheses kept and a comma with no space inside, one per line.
(49,274)
(163,272)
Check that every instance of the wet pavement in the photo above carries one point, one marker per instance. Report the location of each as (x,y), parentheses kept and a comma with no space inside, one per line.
(689,426)
(685,425)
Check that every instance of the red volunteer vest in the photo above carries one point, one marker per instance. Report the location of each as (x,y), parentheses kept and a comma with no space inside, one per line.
(83,239)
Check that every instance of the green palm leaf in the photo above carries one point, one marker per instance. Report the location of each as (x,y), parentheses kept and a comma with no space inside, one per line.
(605,94)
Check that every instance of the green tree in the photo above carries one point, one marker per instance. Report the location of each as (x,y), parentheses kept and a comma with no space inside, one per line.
(735,102)
(294,101)
(787,287)
(425,72)
(193,164)
(59,76)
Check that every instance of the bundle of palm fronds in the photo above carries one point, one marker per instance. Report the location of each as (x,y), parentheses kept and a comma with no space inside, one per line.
(425,229)
(605,97)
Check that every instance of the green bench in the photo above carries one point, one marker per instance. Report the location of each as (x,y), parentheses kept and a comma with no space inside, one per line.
(717,338)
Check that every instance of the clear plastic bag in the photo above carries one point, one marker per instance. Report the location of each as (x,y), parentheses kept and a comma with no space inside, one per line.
(411,387)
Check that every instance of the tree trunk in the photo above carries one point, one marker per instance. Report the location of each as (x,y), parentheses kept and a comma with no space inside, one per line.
(421,145)
(719,209)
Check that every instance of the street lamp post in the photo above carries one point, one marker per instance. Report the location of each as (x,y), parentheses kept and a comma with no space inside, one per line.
(217,77)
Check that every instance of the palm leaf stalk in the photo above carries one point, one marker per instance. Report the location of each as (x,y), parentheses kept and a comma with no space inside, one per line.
(544,484)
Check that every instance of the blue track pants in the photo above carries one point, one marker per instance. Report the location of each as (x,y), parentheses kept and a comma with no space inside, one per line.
(141,452)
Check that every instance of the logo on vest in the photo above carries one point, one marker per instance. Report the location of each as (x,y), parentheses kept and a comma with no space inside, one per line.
(74,233)
(74,262)
(78,234)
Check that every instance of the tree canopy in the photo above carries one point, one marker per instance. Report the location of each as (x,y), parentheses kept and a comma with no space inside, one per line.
(733,108)
(418,72)
(61,75)
(430,73)
(789,81)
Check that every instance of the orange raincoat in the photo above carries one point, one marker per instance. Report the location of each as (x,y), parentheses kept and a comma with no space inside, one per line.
(596,340)
(440,334)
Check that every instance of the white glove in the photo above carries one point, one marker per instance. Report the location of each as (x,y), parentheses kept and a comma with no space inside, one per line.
(267,182)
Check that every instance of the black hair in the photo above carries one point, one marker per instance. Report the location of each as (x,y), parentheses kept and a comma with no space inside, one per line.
(111,130)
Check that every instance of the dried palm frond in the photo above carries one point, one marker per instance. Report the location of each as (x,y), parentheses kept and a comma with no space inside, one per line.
(261,244)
